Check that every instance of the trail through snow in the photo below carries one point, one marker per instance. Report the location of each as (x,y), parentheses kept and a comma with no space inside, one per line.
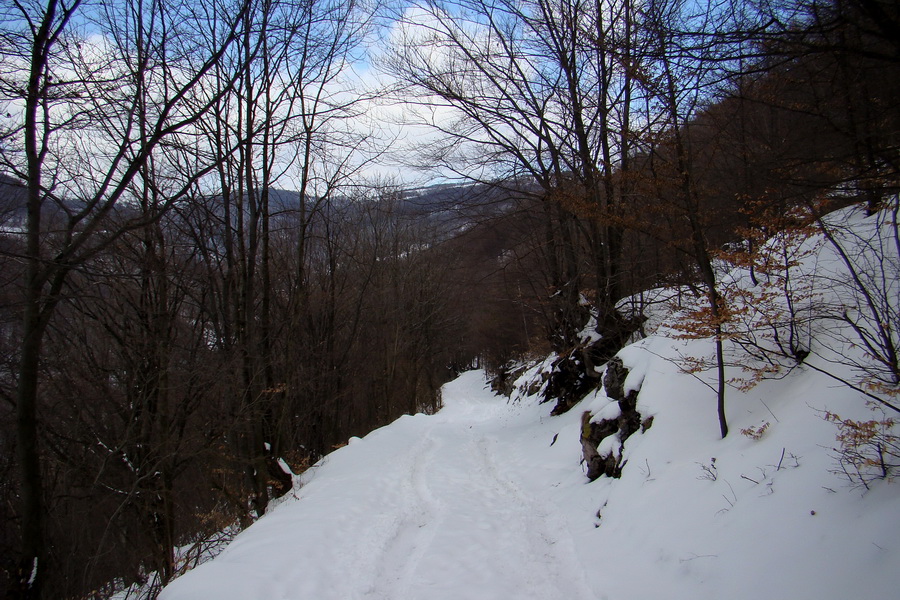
(432,507)
(486,501)
(459,519)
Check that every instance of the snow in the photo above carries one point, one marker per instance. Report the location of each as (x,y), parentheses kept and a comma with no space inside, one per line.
(487,499)
(413,510)
(474,502)
(609,412)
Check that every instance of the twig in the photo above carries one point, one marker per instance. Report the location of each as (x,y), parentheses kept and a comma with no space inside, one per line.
(696,556)
(778,468)
(733,495)
(748,479)
(770,410)
(850,385)
(681,366)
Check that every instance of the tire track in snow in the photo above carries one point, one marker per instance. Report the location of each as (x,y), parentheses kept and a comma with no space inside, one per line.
(458,519)
(417,519)
(550,555)
(447,517)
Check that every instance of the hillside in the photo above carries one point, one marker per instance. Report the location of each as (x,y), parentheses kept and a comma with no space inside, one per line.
(474,502)
(489,498)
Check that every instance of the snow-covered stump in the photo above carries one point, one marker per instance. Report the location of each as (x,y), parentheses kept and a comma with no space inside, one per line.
(602,438)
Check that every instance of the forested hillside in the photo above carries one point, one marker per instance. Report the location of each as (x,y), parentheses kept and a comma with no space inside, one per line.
(220,262)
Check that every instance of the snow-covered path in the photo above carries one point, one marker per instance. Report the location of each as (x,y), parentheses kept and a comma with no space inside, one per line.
(430,508)
(486,501)
(464,519)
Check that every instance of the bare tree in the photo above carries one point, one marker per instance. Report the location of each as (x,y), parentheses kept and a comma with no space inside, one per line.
(692,47)
(539,95)
(85,135)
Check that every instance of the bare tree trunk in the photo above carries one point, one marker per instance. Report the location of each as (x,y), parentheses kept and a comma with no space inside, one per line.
(33,556)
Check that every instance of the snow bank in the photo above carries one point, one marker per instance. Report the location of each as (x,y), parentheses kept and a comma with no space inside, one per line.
(486,500)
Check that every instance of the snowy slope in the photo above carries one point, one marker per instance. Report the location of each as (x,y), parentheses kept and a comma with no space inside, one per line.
(474,502)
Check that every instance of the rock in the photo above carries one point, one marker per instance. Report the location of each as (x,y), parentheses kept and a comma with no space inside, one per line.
(614,379)
(575,373)
(572,376)
(591,436)
(624,425)
(502,383)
